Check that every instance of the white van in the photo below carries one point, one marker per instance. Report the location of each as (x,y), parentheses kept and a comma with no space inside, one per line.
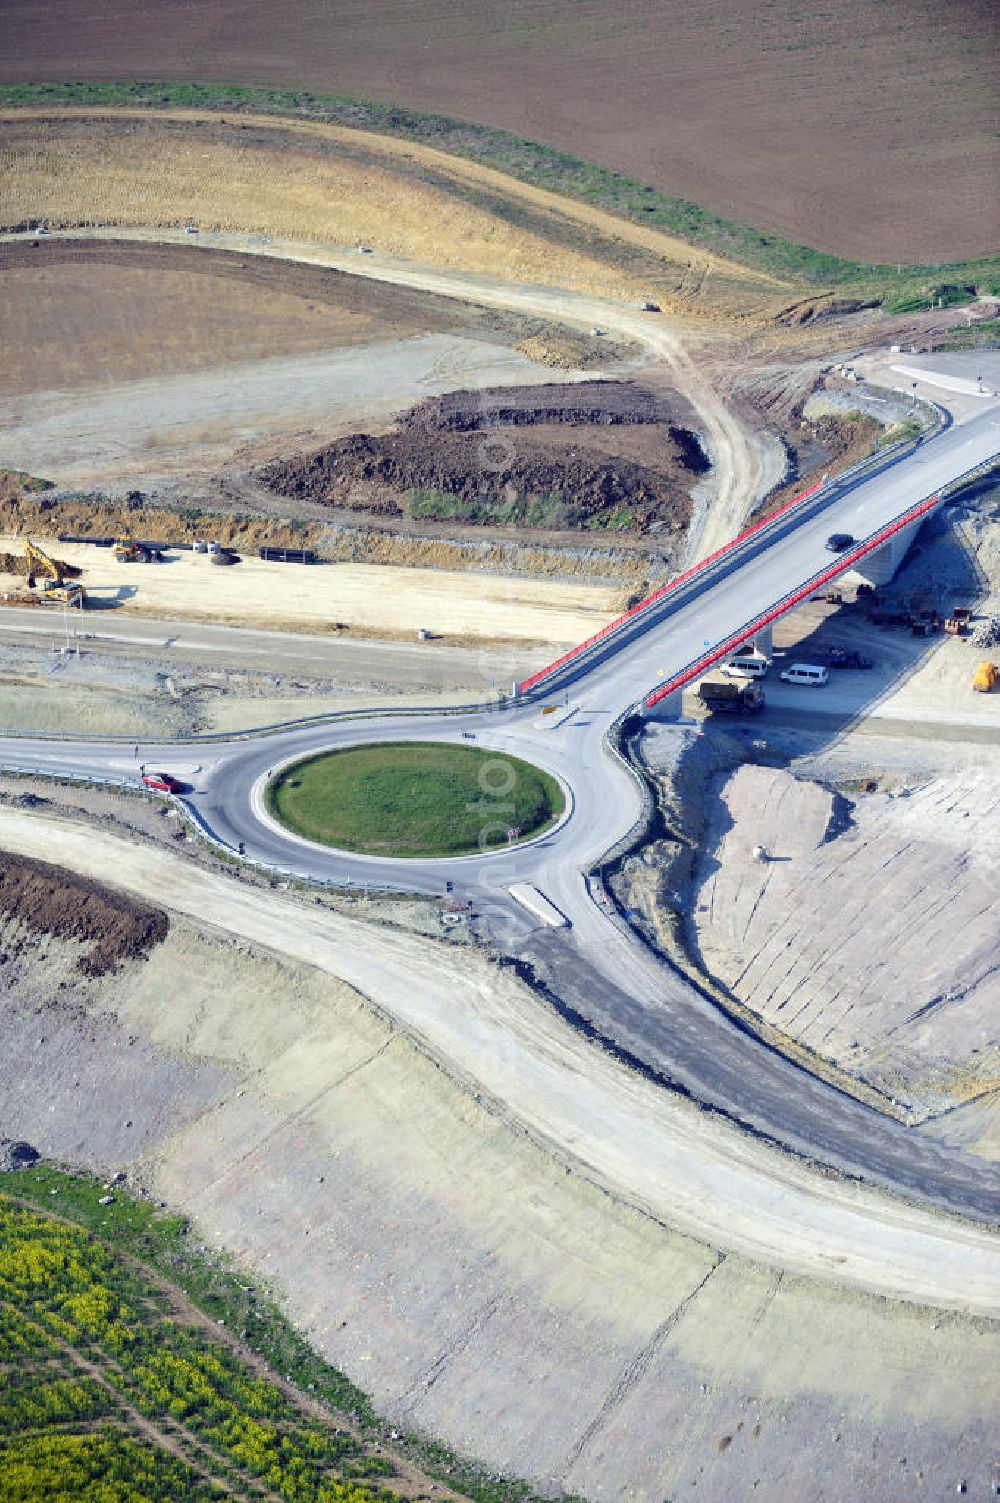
(751,665)
(805,673)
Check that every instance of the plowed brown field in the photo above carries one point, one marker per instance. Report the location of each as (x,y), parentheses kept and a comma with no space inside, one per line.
(78,314)
(857,128)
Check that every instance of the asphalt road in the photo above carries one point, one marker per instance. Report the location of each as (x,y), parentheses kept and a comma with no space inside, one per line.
(598,966)
(415,665)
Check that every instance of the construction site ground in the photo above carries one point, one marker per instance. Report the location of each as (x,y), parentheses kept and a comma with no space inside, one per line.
(93,313)
(313,1136)
(434,1237)
(369,599)
(747,461)
(174,678)
(179,425)
(843,866)
(844,938)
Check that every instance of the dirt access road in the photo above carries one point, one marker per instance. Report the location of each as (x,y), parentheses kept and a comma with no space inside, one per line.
(650,1149)
(746,462)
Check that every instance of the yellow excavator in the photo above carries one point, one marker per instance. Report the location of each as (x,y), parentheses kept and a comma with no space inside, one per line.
(43,571)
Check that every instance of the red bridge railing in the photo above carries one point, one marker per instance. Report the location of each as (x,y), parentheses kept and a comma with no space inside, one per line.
(695,670)
(657,595)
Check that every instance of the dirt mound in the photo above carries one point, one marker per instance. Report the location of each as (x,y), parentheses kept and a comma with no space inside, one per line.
(16,563)
(50,900)
(453,458)
(609,402)
(464,478)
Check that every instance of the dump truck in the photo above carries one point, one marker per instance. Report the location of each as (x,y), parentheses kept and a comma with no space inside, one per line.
(728,696)
(924,623)
(985,677)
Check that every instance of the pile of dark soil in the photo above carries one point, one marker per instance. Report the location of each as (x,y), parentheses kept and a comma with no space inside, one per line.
(16,1154)
(592,455)
(448,476)
(606,402)
(50,900)
(16,563)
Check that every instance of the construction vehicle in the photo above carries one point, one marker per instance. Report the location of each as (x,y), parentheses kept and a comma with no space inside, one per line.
(957,624)
(128,551)
(288,555)
(727,696)
(842,657)
(924,623)
(55,590)
(985,677)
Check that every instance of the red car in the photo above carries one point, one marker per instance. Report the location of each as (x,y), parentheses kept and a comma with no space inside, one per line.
(164,781)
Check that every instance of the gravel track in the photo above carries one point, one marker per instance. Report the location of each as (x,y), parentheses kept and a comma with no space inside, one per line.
(646,1147)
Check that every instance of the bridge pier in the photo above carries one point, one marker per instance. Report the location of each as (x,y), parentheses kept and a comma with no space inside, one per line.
(667,708)
(762,643)
(879,566)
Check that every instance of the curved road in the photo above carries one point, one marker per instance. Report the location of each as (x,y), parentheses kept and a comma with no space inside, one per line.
(746,462)
(597,965)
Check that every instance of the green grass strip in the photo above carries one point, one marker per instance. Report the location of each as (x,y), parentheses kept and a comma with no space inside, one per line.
(561,172)
(415,798)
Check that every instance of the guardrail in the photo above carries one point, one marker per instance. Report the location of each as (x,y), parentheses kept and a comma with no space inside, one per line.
(678,581)
(788,602)
(197,819)
(205,832)
(275,728)
(680,587)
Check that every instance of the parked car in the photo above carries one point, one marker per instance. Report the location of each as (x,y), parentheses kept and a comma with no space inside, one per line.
(747,665)
(165,782)
(839,657)
(805,673)
(839,542)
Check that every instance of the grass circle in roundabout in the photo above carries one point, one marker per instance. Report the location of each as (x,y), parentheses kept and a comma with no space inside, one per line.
(415,798)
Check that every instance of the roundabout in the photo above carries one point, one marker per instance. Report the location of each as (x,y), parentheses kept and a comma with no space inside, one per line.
(414,799)
(595,966)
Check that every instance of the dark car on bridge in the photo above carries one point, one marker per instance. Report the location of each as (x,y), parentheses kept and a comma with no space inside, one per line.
(839,542)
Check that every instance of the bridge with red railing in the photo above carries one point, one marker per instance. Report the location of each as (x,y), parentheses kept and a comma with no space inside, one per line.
(826,576)
(665,590)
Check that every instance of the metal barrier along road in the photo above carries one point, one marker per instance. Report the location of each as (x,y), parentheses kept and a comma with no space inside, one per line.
(865,469)
(674,584)
(845,562)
